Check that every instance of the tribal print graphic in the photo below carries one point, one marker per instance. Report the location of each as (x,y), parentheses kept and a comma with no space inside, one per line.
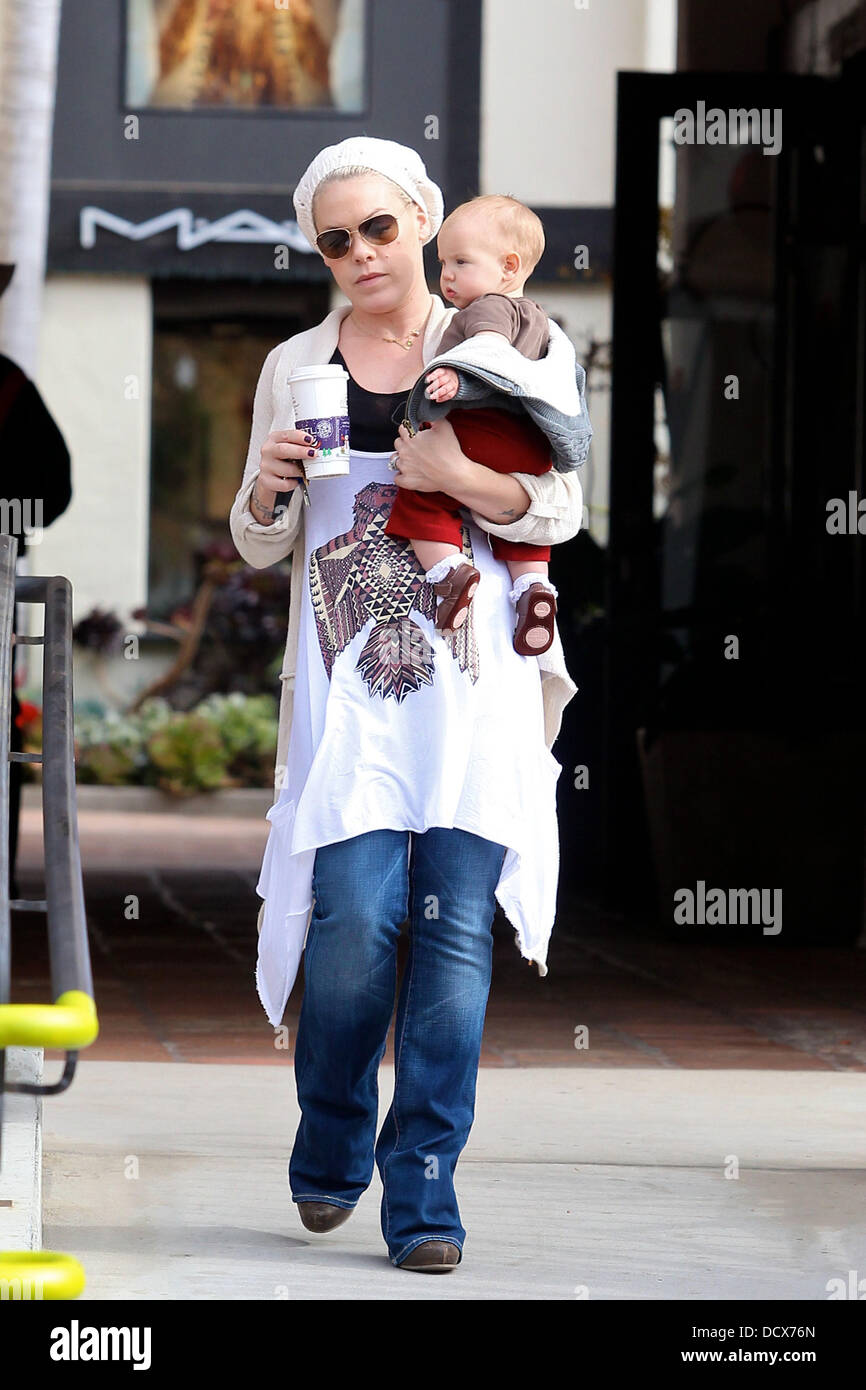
(367,574)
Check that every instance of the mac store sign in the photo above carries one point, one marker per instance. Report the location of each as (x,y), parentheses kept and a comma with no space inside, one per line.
(181,126)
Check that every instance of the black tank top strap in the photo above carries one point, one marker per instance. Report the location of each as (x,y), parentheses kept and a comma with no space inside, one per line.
(374,416)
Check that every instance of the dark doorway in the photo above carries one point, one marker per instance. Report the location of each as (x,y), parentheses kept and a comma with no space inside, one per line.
(210,340)
(734,742)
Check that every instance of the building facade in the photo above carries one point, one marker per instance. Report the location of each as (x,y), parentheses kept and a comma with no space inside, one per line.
(174,263)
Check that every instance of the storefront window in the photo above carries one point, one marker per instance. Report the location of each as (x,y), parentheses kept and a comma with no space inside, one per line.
(285,54)
(206,363)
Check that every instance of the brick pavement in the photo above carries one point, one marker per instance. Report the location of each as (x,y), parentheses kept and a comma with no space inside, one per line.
(176,982)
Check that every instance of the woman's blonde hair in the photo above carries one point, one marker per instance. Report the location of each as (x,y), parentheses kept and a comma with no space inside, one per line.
(357,171)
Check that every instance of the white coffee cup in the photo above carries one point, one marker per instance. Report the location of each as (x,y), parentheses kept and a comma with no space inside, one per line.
(320,400)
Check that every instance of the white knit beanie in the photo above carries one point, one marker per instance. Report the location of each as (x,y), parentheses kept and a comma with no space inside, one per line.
(397,162)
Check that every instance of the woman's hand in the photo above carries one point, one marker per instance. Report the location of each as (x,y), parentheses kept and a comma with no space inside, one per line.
(282,451)
(429,461)
(432,461)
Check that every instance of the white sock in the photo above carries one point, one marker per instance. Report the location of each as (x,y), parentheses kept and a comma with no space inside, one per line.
(523,581)
(444,567)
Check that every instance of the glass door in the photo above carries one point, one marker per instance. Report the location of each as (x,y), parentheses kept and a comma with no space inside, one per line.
(734,686)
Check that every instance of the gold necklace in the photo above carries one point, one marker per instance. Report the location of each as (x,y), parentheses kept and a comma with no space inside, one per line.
(416,333)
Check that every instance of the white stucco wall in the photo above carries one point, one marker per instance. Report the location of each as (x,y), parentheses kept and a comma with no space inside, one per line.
(555,146)
(548,101)
(94,375)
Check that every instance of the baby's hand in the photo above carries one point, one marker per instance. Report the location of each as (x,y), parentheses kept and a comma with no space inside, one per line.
(442,384)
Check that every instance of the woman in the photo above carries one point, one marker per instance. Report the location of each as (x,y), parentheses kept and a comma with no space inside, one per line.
(416,778)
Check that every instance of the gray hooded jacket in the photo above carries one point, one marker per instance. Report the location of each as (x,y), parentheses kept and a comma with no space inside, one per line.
(493,373)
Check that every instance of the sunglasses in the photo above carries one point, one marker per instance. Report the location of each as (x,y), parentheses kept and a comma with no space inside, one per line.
(377,230)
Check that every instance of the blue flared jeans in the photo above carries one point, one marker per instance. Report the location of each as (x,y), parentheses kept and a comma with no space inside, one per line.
(365,887)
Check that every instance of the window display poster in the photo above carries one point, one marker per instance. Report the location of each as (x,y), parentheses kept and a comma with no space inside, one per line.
(285,54)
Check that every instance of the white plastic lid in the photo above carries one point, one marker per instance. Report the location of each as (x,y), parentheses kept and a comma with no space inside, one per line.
(330,370)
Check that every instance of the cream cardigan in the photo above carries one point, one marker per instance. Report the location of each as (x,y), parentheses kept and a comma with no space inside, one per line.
(554,515)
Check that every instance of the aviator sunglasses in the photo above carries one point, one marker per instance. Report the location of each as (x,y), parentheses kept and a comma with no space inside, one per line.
(377,230)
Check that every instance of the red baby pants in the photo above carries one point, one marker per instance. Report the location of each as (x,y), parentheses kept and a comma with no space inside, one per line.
(501,440)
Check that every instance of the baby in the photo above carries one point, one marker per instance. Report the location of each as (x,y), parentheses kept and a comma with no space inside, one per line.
(488,248)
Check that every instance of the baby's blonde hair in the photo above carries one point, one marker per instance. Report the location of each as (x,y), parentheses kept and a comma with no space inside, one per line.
(514,225)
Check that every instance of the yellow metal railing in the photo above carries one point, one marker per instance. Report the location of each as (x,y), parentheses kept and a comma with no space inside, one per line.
(70,1023)
(29,1275)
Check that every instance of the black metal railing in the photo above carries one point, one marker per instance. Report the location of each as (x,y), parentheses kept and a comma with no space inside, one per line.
(69,1022)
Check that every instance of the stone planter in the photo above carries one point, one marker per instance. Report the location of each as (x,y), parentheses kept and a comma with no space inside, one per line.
(232,801)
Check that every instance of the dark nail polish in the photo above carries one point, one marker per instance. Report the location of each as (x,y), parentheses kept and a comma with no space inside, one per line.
(311,452)
(309,438)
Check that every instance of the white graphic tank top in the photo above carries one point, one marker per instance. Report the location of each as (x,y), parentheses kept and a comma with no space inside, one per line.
(397,726)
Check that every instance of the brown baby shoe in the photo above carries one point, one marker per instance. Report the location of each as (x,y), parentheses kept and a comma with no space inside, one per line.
(455,595)
(536,611)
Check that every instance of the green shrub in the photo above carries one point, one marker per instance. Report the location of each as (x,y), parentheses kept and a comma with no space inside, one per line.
(187,755)
(225,741)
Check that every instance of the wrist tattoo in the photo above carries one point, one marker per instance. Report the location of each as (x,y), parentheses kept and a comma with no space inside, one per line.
(269,512)
(509,511)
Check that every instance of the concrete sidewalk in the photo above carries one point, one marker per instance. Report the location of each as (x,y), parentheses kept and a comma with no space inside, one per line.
(168,1181)
(21,1154)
